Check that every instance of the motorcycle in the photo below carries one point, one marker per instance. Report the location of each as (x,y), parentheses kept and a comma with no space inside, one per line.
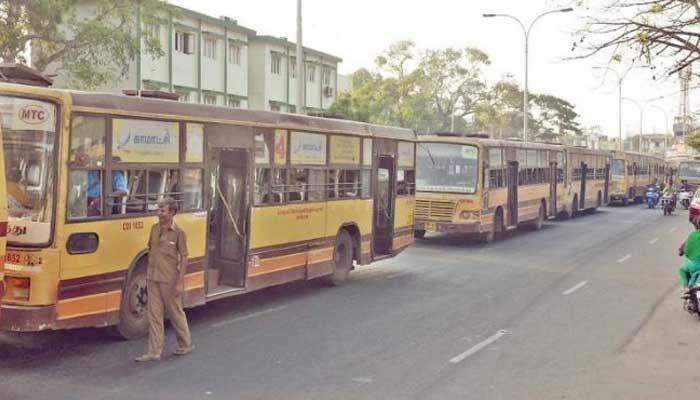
(668,204)
(685,197)
(652,196)
(691,303)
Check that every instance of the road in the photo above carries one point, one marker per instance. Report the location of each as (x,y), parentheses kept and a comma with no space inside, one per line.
(539,315)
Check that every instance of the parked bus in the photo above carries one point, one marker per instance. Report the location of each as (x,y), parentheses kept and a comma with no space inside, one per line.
(483,186)
(630,173)
(688,170)
(588,177)
(265,199)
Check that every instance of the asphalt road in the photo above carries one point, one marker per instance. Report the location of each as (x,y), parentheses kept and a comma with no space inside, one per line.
(531,317)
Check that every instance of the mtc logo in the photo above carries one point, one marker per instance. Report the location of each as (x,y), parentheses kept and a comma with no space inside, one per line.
(33,114)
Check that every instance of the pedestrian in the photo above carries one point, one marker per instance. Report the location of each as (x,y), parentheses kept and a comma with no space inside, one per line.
(167,263)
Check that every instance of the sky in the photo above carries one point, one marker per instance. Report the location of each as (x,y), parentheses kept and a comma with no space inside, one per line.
(357,31)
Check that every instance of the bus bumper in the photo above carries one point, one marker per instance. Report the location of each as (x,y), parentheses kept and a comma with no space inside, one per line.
(27,318)
(449,227)
(617,197)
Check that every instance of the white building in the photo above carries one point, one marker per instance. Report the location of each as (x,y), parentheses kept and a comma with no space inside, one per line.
(216,61)
(272,76)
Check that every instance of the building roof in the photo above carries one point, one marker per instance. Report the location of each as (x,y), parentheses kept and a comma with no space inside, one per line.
(22,74)
(221,21)
(286,43)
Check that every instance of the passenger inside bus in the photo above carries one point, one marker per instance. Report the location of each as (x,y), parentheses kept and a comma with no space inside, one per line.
(16,190)
(94,191)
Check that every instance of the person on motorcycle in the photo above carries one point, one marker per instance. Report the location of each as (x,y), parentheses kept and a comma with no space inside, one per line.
(684,186)
(690,251)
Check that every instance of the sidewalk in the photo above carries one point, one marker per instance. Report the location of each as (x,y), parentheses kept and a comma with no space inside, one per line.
(661,362)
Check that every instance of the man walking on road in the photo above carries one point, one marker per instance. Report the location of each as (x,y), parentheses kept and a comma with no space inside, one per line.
(167,263)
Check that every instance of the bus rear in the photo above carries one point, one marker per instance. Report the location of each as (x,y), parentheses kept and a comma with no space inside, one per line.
(447,188)
(689,171)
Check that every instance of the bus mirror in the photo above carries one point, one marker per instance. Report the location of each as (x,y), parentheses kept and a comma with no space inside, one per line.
(83,243)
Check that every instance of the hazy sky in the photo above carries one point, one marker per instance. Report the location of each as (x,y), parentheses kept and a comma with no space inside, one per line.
(358,30)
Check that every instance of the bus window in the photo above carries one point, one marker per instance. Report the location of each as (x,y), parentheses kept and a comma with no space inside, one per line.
(405,182)
(191,189)
(29,140)
(617,168)
(446,167)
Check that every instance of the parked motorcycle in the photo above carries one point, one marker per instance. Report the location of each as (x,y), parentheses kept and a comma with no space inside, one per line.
(685,198)
(652,196)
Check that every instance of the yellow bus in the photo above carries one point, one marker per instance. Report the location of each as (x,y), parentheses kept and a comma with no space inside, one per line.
(631,172)
(265,199)
(587,181)
(473,185)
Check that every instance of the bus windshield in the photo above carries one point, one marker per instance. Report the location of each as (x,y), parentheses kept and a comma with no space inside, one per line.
(617,168)
(689,170)
(29,133)
(447,167)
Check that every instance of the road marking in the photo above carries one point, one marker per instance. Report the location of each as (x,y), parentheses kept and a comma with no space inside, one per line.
(625,258)
(248,316)
(654,240)
(575,288)
(673,229)
(478,347)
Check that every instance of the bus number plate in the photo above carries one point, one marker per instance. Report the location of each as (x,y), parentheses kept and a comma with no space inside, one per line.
(430,226)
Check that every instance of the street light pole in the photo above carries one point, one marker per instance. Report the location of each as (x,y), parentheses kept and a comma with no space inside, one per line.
(641,120)
(526,33)
(620,79)
(301,74)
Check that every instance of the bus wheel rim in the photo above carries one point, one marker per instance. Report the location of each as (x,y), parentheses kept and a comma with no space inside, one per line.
(138,301)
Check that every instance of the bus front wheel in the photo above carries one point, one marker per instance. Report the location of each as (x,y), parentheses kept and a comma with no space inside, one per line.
(133,312)
(342,260)
(497,228)
(419,233)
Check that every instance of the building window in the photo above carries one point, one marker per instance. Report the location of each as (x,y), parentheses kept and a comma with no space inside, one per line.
(209,48)
(327,76)
(276,66)
(293,67)
(184,42)
(210,99)
(234,103)
(274,106)
(311,72)
(234,54)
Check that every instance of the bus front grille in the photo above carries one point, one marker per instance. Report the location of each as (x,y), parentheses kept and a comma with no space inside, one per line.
(435,210)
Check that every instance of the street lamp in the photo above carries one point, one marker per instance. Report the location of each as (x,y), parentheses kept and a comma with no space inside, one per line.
(641,119)
(526,32)
(620,78)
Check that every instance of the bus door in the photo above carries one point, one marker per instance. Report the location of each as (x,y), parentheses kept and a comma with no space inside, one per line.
(383,227)
(553,189)
(582,192)
(606,188)
(512,193)
(229,229)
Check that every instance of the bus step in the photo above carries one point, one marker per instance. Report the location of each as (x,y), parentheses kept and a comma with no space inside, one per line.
(511,228)
(220,292)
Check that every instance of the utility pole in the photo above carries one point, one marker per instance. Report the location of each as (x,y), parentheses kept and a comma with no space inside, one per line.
(301,74)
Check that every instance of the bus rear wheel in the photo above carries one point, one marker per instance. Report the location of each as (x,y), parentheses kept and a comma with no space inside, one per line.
(342,260)
(537,223)
(133,312)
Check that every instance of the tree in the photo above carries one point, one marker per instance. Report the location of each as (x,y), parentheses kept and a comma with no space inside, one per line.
(556,119)
(421,91)
(643,31)
(90,50)
(693,141)
(500,113)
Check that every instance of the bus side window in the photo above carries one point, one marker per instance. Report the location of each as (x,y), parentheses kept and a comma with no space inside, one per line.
(405,182)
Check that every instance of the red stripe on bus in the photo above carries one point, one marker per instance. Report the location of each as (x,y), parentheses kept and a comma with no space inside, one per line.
(3,229)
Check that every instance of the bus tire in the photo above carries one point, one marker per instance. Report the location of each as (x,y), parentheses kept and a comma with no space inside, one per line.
(342,260)
(625,201)
(419,233)
(133,311)
(599,202)
(574,207)
(496,230)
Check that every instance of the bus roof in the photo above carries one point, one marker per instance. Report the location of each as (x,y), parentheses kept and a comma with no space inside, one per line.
(486,142)
(147,107)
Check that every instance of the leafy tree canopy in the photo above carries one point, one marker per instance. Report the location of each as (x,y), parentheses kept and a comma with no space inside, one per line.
(91,48)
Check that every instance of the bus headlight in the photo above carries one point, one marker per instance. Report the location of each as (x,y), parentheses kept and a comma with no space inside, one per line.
(469,215)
